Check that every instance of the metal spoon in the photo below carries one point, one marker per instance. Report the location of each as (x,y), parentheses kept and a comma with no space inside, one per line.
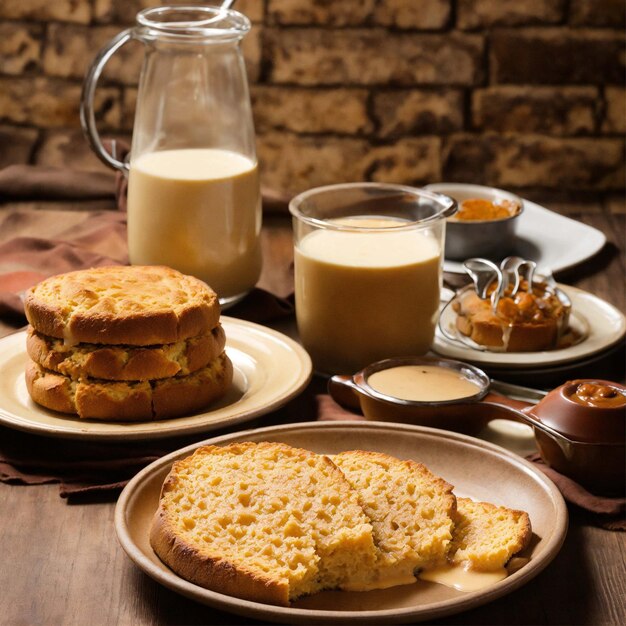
(483,273)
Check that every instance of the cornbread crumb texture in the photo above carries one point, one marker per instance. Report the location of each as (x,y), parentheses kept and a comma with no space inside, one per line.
(265,522)
(130,401)
(125,363)
(269,523)
(410,510)
(136,305)
(487,536)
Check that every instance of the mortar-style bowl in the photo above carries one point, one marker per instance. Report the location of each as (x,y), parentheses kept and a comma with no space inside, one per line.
(585,440)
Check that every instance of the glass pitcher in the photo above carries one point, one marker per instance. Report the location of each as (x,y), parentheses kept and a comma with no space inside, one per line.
(194,202)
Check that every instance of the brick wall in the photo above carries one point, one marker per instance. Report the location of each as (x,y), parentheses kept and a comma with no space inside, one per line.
(528,95)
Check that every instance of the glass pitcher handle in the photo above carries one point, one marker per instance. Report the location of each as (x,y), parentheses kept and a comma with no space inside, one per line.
(87,116)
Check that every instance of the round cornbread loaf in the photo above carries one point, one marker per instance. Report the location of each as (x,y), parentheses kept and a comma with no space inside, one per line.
(264,522)
(130,401)
(486,536)
(123,362)
(410,510)
(134,305)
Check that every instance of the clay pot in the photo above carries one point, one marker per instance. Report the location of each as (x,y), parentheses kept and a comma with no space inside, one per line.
(586,442)
(459,415)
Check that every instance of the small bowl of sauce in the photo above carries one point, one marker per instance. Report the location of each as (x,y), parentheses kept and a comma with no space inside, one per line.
(418,390)
(484,225)
(580,429)
(596,395)
(481,209)
(423,383)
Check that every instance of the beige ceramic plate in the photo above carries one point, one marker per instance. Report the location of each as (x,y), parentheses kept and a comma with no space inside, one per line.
(269,370)
(476,468)
(606,327)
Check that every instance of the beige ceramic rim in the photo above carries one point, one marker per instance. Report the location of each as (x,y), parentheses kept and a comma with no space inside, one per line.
(269,370)
(478,469)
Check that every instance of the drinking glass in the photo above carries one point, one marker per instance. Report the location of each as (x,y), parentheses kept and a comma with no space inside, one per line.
(368,272)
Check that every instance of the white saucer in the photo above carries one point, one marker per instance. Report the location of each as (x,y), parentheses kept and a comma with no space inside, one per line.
(546,237)
(606,324)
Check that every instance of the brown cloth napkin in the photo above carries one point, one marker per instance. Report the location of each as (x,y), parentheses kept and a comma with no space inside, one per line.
(611,511)
(61,243)
(80,468)
(90,239)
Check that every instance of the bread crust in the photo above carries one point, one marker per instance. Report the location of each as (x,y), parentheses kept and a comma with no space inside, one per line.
(53,392)
(125,363)
(201,562)
(135,305)
(130,401)
(176,396)
(212,573)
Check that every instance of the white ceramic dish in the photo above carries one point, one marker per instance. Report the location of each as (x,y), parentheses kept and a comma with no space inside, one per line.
(553,241)
(477,469)
(269,369)
(606,327)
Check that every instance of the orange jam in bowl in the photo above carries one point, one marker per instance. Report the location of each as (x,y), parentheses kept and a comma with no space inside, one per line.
(479,209)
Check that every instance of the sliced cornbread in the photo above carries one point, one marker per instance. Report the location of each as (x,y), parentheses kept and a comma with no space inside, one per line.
(410,510)
(264,522)
(486,536)
(125,362)
(130,400)
(269,523)
(136,305)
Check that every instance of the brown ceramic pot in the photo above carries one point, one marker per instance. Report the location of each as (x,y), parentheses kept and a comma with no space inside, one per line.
(464,415)
(584,441)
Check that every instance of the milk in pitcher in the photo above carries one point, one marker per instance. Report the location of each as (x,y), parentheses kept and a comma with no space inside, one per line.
(197,210)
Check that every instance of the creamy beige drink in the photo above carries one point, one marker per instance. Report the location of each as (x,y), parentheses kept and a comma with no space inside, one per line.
(363,296)
(198,211)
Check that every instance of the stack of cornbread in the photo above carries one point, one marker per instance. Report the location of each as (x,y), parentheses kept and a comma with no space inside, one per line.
(269,523)
(125,344)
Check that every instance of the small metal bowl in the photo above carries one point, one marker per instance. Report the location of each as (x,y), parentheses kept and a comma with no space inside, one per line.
(493,239)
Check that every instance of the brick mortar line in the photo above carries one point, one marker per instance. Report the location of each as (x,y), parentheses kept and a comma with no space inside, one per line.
(377,88)
(444,30)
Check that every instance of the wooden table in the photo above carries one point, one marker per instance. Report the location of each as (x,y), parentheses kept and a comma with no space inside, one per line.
(62,564)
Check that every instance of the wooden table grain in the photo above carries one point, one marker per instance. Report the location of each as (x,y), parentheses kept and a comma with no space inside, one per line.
(61,563)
